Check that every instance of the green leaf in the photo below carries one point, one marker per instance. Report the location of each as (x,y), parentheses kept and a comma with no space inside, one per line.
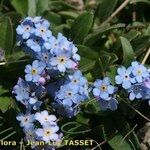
(106,60)
(118,143)
(81,27)
(139,44)
(82,119)
(92,107)
(105,9)
(132,34)
(2,90)
(60,28)
(59,5)
(5,102)
(87,52)
(21,6)
(128,55)
(68,14)
(112,73)
(6,35)
(86,64)
(92,38)
(42,5)
(32,8)
(53,18)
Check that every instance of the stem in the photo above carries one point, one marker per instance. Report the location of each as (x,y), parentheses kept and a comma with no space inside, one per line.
(136,111)
(128,134)
(146,56)
(8,136)
(124,4)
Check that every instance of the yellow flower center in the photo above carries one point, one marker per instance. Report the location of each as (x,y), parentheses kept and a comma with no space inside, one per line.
(103,88)
(61,60)
(139,72)
(47,133)
(34,71)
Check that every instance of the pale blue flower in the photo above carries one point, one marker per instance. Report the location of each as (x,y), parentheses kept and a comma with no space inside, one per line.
(33,73)
(103,89)
(136,91)
(68,94)
(48,133)
(111,104)
(21,90)
(65,110)
(77,78)
(139,71)
(42,30)
(26,120)
(44,118)
(124,77)
(30,133)
(62,62)
(25,29)
(35,43)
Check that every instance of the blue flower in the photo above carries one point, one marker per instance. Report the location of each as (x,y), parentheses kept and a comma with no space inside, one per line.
(77,78)
(42,30)
(44,118)
(111,104)
(103,88)
(66,46)
(48,133)
(136,91)
(68,94)
(34,103)
(33,73)
(51,44)
(139,71)
(21,90)
(26,120)
(124,77)
(35,43)
(62,62)
(30,133)
(25,29)
(65,110)
(45,56)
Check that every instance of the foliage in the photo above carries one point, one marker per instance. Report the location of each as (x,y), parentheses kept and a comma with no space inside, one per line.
(102,47)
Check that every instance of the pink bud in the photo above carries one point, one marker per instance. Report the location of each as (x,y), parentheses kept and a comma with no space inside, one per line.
(147,82)
(42,80)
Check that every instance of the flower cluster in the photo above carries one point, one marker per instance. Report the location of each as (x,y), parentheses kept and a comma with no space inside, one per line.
(53,74)
(40,127)
(57,54)
(71,93)
(105,93)
(135,79)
